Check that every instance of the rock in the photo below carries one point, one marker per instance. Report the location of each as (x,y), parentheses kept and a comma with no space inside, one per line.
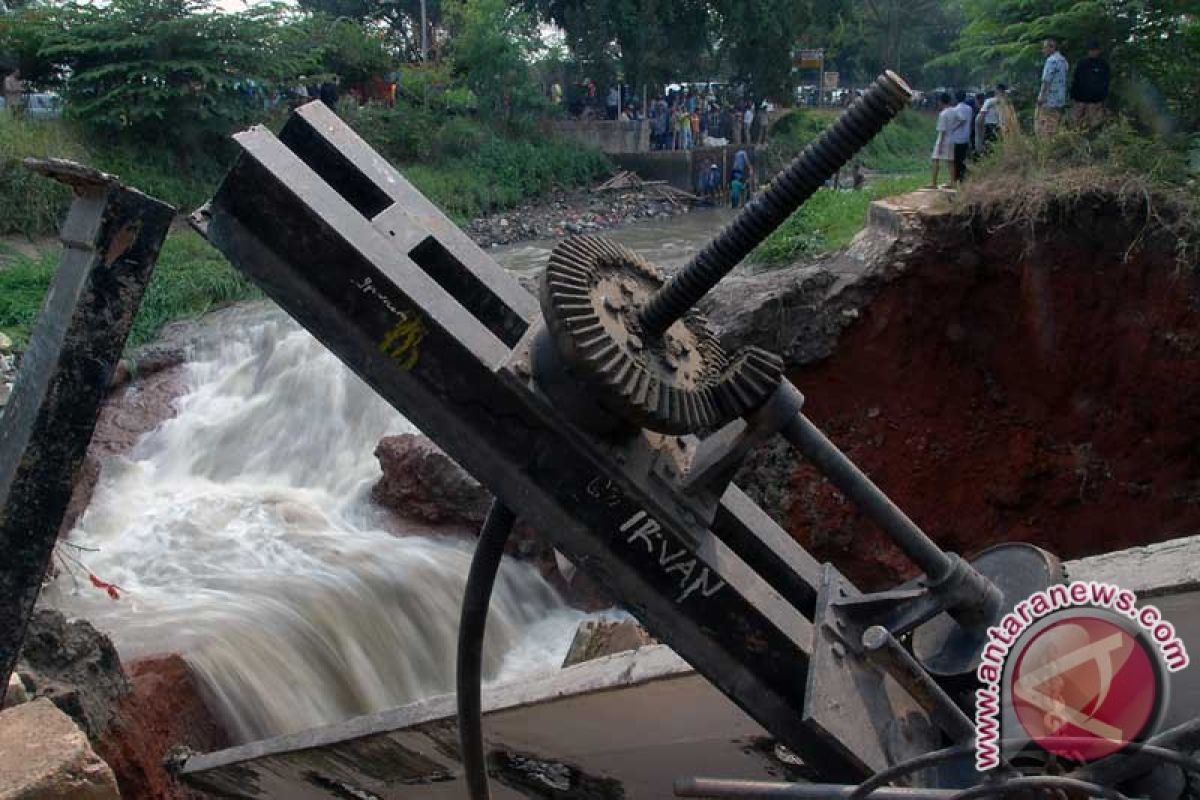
(597,638)
(45,756)
(74,666)
(423,483)
(16,693)
(164,711)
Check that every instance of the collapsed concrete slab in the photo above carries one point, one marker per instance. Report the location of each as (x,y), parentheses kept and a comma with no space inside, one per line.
(44,755)
(629,723)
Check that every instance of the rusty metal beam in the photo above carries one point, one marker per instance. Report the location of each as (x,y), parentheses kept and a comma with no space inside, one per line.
(111,239)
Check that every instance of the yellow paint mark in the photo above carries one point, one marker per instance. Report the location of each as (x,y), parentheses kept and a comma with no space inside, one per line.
(402,343)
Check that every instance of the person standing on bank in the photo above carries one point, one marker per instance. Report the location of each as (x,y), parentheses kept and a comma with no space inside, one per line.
(1089,88)
(997,118)
(1052,97)
(960,135)
(943,148)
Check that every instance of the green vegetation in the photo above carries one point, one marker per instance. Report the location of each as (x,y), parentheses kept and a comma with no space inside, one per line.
(189,279)
(828,221)
(1025,182)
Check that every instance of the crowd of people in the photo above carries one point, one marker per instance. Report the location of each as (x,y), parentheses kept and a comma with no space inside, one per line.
(968,125)
(682,121)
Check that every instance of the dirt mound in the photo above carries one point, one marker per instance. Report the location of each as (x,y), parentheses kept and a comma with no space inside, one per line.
(163,711)
(1036,385)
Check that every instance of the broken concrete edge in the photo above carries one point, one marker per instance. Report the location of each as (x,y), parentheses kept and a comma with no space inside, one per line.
(1161,569)
(611,673)
(79,177)
(1169,567)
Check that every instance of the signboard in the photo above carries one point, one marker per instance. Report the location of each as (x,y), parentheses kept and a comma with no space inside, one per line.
(808,59)
(831,80)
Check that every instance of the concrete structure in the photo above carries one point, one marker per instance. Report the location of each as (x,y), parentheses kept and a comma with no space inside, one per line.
(682,168)
(44,755)
(638,719)
(608,136)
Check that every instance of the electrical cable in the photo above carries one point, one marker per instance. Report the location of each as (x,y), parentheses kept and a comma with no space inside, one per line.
(485,564)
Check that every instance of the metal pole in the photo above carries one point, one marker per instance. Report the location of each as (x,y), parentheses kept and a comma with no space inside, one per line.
(733,789)
(884,651)
(111,238)
(859,489)
(424,34)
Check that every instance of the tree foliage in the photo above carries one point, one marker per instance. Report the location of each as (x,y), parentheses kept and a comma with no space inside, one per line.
(757,38)
(180,72)
(399,20)
(491,45)
(639,41)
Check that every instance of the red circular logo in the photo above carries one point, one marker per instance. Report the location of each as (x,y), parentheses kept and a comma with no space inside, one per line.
(1085,686)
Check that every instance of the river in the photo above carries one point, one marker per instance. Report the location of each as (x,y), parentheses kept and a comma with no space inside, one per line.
(242,536)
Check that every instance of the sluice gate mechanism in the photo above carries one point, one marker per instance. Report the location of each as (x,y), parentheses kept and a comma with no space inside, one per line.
(607,415)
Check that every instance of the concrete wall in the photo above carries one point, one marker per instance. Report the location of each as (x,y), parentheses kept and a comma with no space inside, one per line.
(609,136)
(682,168)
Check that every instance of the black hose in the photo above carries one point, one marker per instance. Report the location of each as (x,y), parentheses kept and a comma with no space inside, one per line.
(469,671)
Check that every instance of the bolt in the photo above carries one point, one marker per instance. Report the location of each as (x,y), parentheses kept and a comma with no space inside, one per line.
(787,192)
(839,650)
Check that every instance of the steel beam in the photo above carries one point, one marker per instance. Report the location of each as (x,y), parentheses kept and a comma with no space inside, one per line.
(357,256)
(111,238)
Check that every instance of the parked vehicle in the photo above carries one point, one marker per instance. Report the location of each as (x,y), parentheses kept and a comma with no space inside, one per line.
(39,105)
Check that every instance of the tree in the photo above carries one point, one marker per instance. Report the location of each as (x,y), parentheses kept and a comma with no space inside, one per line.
(642,42)
(400,20)
(1151,45)
(170,72)
(491,47)
(757,38)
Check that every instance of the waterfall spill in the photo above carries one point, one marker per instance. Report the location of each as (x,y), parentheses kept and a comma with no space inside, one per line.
(243,538)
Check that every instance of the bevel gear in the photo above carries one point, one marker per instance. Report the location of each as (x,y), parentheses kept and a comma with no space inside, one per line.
(679,383)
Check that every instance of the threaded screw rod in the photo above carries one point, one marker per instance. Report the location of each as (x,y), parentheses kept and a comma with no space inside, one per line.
(878,106)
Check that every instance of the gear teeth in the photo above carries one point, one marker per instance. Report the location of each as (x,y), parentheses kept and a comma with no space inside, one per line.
(720,388)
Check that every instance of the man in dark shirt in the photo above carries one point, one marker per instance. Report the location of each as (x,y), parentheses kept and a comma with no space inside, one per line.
(1089,88)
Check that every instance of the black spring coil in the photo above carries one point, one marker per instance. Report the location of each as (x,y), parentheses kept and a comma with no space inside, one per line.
(789,190)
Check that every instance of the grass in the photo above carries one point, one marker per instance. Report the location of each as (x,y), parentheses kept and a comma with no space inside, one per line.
(463,167)
(828,221)
(903,146)
(189,279)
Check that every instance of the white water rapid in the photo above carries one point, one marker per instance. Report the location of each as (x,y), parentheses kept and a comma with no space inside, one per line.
(241,535)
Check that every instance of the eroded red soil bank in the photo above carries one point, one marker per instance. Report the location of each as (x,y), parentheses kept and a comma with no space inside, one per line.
(1009,387)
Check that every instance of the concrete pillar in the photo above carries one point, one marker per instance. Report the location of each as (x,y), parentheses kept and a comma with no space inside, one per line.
(111,238)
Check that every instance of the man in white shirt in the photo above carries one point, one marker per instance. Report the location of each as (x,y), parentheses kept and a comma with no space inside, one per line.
(989,120)
(943,148)
(747,122)
(960,135)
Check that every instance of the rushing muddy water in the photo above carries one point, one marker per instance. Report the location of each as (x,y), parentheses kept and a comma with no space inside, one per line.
(241,536)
